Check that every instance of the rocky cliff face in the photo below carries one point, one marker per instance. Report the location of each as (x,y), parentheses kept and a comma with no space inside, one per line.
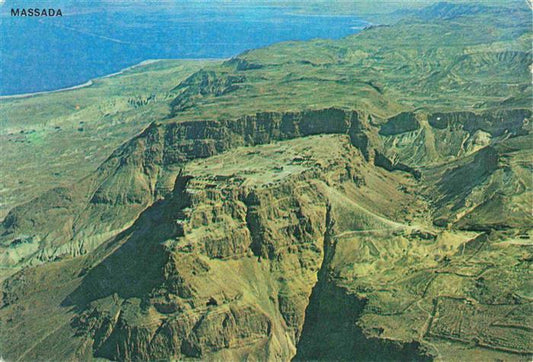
(223,233)
(239,256)
(141,171)
(364,219)
(226,263)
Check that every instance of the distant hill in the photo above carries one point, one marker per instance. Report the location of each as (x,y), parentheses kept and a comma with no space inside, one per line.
(367,198)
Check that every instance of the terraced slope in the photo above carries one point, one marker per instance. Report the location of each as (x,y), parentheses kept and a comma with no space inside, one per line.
(361,199)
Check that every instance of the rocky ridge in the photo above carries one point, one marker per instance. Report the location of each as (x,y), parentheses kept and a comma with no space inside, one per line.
(251,234)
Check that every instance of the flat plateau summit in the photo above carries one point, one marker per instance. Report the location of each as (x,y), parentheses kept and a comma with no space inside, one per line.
(367,198)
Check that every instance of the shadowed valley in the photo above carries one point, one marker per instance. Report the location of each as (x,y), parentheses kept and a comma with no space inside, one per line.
(367,198)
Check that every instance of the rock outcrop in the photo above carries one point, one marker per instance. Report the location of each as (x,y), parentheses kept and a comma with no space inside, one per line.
(359,199)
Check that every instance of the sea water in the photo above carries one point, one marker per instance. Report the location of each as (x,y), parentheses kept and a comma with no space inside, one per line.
(101,37)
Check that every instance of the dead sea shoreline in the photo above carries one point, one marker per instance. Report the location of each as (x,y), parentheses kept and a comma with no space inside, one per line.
(92,81)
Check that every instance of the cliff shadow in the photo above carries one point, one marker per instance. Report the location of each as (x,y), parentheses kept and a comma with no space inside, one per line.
(330,331)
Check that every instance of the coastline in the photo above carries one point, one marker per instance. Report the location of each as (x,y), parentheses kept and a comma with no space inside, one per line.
(86,84)
(28,95)
(92,81)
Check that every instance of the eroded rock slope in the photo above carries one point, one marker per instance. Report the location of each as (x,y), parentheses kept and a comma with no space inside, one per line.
(357,199)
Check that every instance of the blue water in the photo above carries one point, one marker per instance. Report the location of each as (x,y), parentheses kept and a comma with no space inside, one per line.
(99,38)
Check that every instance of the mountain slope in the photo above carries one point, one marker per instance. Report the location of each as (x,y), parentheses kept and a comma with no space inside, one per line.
(361,199)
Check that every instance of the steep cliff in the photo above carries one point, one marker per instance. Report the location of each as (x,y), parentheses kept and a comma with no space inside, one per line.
(226,263)
(361,199)
(141,171)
